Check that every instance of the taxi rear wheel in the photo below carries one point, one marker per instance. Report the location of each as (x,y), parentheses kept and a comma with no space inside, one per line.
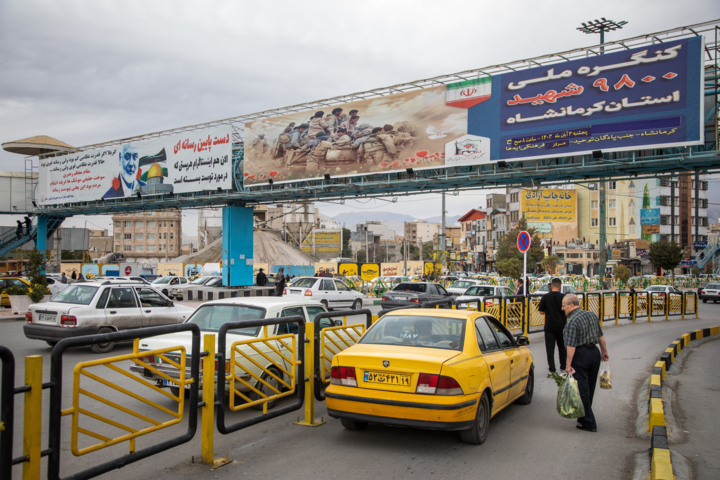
(325,304)
(529,388)
(352,424)
(479,431)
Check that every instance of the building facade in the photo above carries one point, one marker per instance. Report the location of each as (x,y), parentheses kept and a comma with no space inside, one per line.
(420,231)
(153,237)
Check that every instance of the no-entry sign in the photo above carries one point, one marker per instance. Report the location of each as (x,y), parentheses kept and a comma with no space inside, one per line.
(523,241)
(128,270)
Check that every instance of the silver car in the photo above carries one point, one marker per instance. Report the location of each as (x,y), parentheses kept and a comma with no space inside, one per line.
(94,307)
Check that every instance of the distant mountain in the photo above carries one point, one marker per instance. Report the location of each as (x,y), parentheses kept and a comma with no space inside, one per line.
(394,221)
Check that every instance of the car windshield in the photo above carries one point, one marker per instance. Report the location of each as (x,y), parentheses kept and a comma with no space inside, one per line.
(214,281)
(410,287)
(417,331)
(76,294)
(212,317)
(543,288)
(480,291)
(162,280)
(199,281)
(304,282)
(461,284)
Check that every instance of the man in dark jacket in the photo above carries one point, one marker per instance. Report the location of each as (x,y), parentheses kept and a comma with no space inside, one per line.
(261,278)
(555,320)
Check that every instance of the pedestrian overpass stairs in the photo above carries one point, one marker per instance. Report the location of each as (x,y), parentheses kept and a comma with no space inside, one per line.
(10,241)
(710,253)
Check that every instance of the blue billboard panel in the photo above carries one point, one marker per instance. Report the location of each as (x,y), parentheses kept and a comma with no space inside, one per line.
(649,216)
(640,98)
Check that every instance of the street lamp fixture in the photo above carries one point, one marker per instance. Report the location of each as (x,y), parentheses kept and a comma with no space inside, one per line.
(601,26)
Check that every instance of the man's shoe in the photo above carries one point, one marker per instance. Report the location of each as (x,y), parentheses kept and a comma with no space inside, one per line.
(587,429)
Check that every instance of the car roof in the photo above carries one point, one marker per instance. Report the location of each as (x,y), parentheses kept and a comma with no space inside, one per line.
(263,301)
(432,312)
(108,281)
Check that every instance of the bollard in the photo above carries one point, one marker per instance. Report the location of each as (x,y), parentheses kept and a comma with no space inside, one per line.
(697,305)
(526,317)
(633,304)
(650,305)
(309,420)
(208,395)
(667,307)
(32,417)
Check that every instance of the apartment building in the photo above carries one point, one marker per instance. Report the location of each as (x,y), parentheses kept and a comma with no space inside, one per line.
(420,231)
(148,236)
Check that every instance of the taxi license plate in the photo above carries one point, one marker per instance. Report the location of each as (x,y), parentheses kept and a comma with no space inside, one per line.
(44,317)
(168,383)
(399,298)
(295,292)
(387,378)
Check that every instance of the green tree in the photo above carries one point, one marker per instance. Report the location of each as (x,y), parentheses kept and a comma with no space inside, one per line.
(71,255)
(510,267)
(507,247)
(37,262)
(666,255)
(413,252)
(346,250)
(695,271)
(622,273)
(427,251)
(549,263)
(361,256)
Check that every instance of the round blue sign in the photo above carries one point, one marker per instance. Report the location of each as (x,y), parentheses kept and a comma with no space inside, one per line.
(523,241)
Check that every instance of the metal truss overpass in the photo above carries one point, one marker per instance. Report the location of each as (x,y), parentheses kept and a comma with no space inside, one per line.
(574,169)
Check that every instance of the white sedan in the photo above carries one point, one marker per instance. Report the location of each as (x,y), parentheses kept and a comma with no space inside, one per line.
(210,316)
(331,292)
(178,291)
(55,285)
(459,287)
(479,292)
(164,284)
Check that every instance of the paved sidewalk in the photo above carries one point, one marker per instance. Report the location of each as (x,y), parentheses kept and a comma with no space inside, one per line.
(697,403)
(6,314)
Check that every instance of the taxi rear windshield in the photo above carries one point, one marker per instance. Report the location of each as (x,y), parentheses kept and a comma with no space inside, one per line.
(410,287)
(212,317)
(417,331)
(76,294)
(481,291)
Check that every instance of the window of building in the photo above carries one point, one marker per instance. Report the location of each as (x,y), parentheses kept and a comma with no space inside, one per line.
(677,220)
(116,224)
(139,224)
(118,236)
(588,255)
(593,204)
(164,236)
(631,230)
(171,224)
(171,235)
(118,248)
(139,248)
(592,186)
(514,197)
(593,222)
(138,236)
(128,248)
(489,202)
(611,221)
(514,215)
(612,185)
(172,247)
(151,223)
(151,236)
(612,203)
(128,236)
(128,224)
(151,248)
(165,224)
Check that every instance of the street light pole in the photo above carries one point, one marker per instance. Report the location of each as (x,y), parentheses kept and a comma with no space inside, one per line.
(592,27)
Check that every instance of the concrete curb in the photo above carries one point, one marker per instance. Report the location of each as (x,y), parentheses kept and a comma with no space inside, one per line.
(660,463)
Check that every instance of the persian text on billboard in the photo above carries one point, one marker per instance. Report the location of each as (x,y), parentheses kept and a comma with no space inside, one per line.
(649,216)
(189,162)
(548,205)
(324,242)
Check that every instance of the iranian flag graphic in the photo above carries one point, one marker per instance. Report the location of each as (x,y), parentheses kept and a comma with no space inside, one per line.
(468,93)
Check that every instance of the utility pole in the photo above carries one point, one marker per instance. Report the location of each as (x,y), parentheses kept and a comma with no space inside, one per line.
(592,27)
(442,243)
(367,257)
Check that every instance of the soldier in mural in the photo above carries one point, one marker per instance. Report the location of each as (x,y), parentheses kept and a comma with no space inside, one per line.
(378,148)
(258,147)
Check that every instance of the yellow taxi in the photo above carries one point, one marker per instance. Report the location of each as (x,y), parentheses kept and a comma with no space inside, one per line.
(431,369)
(7,282)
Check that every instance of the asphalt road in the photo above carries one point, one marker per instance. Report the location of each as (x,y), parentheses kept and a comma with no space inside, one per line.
(524,441)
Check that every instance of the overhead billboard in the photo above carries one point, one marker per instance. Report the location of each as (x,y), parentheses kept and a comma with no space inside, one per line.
(325,241)
(548,205)
(648,97)
(649,216)
(188,162)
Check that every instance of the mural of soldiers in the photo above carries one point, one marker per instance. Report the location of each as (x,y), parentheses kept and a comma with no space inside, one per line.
(333,120)
(278,150)
(351,125)
(403,139)
(350,114)
(360,129)
(294,143)
(318,123)
(378,148)
(317,156)
(343,141)
(259,146)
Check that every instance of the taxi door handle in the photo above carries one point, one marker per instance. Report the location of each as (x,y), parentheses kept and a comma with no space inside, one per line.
(113,311)
(511,361)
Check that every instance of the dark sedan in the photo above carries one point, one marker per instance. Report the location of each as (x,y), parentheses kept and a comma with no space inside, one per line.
(414,293)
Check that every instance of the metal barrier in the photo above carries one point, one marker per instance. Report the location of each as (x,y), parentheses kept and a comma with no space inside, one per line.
(264,398)
(657,304)
(609,308)
(624,304)
(7,407)
(674,304)
(515,311)
(641,305)
(593,303)
(56,411)
(691,303)
(324,352)
(536,319)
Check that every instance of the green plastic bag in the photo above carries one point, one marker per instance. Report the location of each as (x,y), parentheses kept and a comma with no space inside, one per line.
(569,403)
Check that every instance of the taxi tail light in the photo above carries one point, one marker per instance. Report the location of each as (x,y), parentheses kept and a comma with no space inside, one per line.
(148,359)
(308,293)
(68,320)
(284,291)
(343,376)
(28,317)
(438,385)
(227,365)
(415,301)
(488,303)
(387,299)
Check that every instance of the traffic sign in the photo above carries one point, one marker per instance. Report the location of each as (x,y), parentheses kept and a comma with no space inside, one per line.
(128,270)
(523,241)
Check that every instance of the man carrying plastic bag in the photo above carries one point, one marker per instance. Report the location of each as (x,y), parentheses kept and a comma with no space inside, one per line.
(569,402)
(582,336)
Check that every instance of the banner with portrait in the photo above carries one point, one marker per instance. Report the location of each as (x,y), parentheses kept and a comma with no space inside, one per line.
(188,162)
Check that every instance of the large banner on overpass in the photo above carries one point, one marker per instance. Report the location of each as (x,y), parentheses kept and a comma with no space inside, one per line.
(641,98)
(188,162)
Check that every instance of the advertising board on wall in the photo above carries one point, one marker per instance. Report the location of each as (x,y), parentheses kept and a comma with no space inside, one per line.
(325,242)
(548,205)
(187,162)
(645,98)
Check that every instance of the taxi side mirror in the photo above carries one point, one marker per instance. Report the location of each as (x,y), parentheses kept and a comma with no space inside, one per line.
(523,340)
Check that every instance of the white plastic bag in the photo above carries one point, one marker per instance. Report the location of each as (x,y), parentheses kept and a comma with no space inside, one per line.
(569,403)
(605,376)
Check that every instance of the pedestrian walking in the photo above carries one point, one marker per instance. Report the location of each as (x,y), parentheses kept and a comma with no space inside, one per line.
(555,320)
(582,336)
(19,229)
(74,275)
(521,287)
(28,224)
(261,278)
(63,278)
(280,283)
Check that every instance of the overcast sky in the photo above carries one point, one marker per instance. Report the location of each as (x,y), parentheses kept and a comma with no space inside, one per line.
(91,71)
